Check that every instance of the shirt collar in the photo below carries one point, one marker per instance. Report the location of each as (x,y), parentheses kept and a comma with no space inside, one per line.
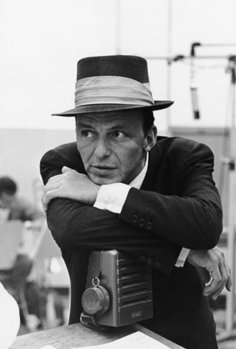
(138,181)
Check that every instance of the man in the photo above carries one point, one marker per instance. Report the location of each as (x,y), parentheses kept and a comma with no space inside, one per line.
(122,187)
(18,207)
(16,279)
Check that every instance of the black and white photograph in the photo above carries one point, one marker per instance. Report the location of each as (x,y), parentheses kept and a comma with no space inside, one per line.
(117,174)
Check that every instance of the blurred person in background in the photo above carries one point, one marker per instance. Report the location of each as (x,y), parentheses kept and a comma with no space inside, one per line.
(16,280)
(17,207)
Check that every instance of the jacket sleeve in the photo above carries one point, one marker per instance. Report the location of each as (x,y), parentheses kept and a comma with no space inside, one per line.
(75,225)
(193,217)
(152,225)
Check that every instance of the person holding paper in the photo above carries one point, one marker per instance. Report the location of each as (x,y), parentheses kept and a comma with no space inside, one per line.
(15,279)
(119,186)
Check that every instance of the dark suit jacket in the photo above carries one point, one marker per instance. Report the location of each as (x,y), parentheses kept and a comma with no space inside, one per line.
(178,205)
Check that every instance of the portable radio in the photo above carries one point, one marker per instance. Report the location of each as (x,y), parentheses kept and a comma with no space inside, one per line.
(118,290)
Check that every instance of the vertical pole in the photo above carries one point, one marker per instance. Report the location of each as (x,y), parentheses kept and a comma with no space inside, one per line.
(169,55)
(118,50)
(230,299)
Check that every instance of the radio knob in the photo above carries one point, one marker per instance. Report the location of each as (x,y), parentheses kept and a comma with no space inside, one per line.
(95,300)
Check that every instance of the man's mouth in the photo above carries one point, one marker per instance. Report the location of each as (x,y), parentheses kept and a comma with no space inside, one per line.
(101,169)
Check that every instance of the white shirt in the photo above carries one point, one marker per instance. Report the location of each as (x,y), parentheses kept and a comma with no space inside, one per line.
(112,197)
(9,318)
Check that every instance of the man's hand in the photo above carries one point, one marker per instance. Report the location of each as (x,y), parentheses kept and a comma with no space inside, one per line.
(213,261)
(71,185)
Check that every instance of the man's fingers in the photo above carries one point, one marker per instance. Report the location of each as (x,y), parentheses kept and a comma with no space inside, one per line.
(214,284)
(229,284)
(54,183)
(229,278)
(57,179)
(220,278)
(67,169)
(50,186)
(218,272)
(225,273)
(45,202)
(48,196)
(222,282)
(213,289)
(53,180)
(59,185)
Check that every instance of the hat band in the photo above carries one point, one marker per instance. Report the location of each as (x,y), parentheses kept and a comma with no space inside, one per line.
(108,89)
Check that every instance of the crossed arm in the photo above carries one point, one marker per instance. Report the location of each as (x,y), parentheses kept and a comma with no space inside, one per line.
(74,221)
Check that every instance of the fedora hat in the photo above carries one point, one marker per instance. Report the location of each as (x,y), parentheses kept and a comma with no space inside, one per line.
(108,83)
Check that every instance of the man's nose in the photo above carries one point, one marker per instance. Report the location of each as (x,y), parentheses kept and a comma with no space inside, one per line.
(102,148)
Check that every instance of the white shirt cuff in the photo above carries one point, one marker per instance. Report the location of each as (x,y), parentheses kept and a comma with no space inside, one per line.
(182,257)
(112,197)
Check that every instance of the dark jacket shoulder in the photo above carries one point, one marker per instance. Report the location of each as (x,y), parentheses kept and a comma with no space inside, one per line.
(179,156)
(179,146)
(63,155)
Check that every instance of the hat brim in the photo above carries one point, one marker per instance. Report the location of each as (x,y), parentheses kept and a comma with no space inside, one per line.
(96,108)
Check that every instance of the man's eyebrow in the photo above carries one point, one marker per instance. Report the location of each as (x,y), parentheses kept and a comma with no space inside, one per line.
(84,124)
(118,126)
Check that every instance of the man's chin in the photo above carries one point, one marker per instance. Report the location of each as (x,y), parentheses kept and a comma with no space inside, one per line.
(102,180)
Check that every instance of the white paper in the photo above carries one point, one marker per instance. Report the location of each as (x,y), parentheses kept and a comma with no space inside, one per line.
(137,340)
(9,318)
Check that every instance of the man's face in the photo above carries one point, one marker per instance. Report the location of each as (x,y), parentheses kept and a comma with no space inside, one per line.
(112,147)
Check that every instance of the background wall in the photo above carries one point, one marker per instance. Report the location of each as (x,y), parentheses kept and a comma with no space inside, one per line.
(21,151)
(41,41)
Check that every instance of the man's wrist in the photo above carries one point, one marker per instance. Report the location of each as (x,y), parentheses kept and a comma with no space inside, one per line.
(112,197)
(94,193)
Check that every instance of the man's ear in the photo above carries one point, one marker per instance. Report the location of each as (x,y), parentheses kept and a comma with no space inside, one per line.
(150,138)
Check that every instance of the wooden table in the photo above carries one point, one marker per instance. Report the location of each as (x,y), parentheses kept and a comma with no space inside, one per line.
(76,335)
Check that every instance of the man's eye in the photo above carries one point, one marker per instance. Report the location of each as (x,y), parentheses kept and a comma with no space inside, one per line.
(118,135)
(87,133)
